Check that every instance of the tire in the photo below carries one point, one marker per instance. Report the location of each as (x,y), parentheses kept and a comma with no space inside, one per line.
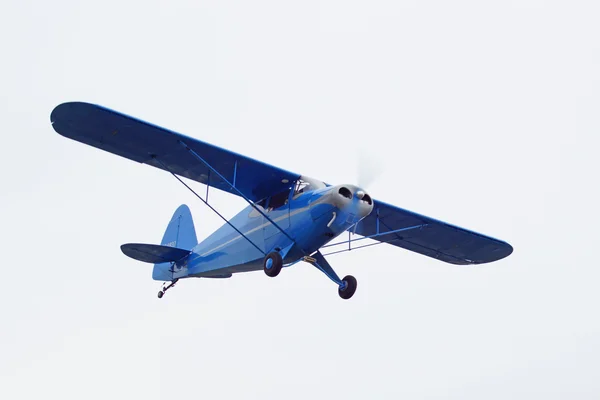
(160,294)
(272,264)
(349,289)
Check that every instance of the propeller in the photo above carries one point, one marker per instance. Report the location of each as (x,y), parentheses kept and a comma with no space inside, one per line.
(368,169)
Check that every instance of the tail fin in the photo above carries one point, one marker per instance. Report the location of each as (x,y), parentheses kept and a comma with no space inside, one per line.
(175,246)
(180,232)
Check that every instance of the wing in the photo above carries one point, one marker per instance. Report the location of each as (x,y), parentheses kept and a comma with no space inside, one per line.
(430,237)
(145,143)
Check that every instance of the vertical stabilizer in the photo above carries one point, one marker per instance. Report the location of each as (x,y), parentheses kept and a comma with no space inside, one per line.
(181,234)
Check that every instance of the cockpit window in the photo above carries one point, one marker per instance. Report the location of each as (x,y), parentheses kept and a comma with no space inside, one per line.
(301,187)
(279,199)
(306,184)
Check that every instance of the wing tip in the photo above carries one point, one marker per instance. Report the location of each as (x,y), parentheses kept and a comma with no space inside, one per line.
(65,113)
(66,107)
(505,250)
(499,253)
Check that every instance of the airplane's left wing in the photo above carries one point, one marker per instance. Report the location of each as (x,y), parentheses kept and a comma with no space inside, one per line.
(430,237)
(149,144)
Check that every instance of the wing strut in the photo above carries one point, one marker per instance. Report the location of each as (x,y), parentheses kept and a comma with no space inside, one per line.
(359,247)
(232,185)
(209,206)
(349,241)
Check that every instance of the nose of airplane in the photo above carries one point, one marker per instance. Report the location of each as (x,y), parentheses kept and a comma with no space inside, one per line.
(352,199)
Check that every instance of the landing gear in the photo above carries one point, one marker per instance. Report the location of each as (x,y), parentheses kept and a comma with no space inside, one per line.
(273,264)
(348,287)
(162,292)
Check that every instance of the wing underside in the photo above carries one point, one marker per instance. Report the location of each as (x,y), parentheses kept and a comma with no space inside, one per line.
(430,237)
(149,144)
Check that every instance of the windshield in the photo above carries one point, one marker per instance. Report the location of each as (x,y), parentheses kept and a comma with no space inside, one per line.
(306,184)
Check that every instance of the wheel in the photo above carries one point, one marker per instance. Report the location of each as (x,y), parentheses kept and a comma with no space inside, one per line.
(272,264)
(160,294)
(348,287)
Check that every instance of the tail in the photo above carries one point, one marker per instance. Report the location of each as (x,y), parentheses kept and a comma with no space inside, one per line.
(180,232)
(177,242)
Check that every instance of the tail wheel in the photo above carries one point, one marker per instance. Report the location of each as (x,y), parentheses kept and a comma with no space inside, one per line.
(273,264)
(348,287)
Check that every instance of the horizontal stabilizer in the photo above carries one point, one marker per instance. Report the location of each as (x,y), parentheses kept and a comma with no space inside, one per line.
(153,253)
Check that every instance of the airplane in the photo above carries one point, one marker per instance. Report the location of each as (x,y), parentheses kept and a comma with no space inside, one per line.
(290,217)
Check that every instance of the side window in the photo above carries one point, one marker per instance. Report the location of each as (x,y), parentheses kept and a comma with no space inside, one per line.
(261,206)
(279,199)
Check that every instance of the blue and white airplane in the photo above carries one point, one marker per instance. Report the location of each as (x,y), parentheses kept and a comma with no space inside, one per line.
(289,217)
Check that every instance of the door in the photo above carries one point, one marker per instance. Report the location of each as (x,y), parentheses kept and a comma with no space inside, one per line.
(278,210)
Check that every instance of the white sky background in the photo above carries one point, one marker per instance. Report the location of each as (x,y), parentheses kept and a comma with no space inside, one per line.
(485,116)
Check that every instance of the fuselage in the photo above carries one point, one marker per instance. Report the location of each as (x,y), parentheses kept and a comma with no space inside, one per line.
(311,218)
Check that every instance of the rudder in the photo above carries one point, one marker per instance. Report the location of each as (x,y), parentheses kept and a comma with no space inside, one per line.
(181,234)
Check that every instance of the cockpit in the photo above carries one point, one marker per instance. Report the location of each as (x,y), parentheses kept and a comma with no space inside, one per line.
(306,184)
(302,185)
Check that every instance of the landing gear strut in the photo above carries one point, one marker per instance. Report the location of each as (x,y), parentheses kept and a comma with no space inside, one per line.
(346,286)
(162,292)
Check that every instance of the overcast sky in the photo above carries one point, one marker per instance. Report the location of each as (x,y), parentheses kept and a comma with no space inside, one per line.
(482,114)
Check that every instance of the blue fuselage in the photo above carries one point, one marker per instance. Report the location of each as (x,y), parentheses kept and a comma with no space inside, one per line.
(311,219)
